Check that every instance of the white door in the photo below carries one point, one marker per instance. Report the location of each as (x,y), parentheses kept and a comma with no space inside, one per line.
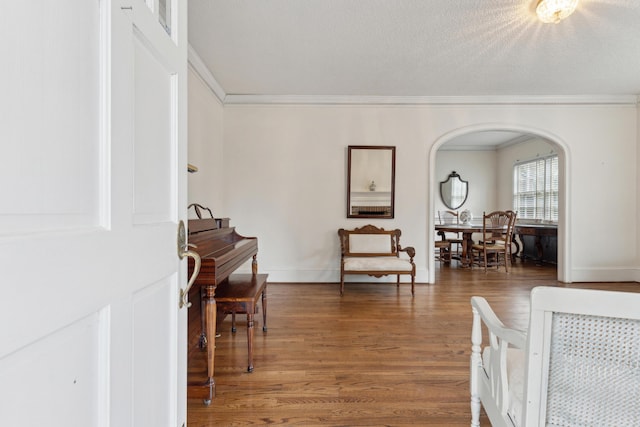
(92,186)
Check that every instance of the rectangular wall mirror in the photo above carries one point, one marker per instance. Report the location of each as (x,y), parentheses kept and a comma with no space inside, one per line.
(371,174)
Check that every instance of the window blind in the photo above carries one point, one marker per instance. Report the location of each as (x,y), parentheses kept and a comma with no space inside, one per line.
(535,189)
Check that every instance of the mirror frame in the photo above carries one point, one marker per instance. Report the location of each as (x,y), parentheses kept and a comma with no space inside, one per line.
(448,203)
(388,186)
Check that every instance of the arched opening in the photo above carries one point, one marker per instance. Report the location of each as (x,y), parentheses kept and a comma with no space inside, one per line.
(469,134)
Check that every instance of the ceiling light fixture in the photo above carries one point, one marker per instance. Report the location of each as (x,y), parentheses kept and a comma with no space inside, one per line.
(554,11)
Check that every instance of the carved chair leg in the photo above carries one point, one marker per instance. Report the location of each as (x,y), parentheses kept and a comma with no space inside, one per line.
(476,366)
(485,261)
(475,411)
(413,284)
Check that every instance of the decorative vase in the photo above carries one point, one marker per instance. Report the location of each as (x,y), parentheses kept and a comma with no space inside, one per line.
(372,186)
(466,216)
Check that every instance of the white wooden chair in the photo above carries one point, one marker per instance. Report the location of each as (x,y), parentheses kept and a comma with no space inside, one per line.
(577,365)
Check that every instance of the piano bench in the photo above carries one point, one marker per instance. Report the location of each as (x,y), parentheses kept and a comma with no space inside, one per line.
(240,294)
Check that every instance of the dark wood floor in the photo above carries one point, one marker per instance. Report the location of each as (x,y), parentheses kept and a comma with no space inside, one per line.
(374,357)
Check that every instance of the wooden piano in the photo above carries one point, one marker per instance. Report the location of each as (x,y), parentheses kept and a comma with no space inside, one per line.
(222,251)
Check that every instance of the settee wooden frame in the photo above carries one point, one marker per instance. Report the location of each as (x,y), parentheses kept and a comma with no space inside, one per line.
(374,251)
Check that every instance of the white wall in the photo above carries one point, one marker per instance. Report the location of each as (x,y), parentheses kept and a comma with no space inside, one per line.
(479,169)
(288,186)
(284,178)
(205,147)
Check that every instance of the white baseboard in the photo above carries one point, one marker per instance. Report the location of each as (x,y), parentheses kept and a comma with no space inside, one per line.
(606,274)
(333,276)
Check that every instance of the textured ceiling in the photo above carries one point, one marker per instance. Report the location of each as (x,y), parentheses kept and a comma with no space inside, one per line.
(416,47)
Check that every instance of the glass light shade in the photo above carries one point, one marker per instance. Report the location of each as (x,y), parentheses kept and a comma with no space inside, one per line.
(553,11)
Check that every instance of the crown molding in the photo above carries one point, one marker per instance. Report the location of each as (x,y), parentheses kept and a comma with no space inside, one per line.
(517,140)
(198,65)
(479,147)
(476,147)
(231,99)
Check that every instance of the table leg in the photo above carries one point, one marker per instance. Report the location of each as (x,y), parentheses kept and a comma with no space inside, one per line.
(517,253)
(466,248)
(539,250)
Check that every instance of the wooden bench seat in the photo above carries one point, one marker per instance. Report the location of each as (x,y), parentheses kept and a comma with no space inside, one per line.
(375,252)
(240,294)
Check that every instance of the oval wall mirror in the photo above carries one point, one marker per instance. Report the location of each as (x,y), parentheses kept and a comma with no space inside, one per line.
(454,191)
(371,181)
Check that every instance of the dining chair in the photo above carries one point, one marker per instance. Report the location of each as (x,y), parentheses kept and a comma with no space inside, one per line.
(455,239)
(497,231)
(507,235)
(443,251)
(508,239)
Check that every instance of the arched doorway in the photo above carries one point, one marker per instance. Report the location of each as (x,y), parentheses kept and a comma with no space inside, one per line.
(563,249)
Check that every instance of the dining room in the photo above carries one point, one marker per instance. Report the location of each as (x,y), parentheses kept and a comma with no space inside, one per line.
(480,172)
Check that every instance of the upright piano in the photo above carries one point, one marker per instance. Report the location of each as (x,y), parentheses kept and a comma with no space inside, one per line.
(222,251)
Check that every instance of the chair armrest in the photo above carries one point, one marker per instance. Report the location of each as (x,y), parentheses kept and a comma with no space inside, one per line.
(494,375)
(495,326)
(409,250)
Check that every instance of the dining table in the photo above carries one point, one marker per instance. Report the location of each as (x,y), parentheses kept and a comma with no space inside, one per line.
(467,231)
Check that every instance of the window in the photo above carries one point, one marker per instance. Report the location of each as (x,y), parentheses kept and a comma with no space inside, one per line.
(535,189)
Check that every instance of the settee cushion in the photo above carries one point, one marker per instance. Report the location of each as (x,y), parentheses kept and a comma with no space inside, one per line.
(390,263)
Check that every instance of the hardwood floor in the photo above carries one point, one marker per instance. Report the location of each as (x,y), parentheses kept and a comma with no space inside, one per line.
(374,357)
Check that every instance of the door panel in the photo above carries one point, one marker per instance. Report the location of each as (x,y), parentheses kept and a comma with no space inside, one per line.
(65,369)
(154,338)
(93,109)
(154,144)
(50,146)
